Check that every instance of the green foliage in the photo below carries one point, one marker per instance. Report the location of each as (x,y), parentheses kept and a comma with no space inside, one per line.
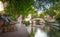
(27,23)
(50,12)
(17,7)
(42,14)
(33,12)
(57,8)
(57,15)
(46,22)
(13,18)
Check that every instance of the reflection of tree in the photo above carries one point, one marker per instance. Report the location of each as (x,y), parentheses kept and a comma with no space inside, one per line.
(52,30)
(54,33)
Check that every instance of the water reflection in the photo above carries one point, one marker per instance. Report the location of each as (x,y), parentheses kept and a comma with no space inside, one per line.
(40,33)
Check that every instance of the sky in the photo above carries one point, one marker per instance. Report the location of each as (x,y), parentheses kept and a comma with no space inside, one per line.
(39,8)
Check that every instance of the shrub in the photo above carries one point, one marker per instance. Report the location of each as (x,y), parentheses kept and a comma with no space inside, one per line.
(26,23)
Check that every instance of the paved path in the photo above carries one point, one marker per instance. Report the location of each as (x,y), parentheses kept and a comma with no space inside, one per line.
(22,32)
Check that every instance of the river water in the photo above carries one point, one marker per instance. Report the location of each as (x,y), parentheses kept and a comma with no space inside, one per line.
(40,33)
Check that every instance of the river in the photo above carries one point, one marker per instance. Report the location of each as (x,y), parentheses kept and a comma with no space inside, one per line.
(40,33)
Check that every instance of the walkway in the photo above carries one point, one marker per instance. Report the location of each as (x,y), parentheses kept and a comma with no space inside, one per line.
(22,32)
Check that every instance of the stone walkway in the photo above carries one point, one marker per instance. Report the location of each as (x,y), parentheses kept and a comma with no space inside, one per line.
(21,32)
